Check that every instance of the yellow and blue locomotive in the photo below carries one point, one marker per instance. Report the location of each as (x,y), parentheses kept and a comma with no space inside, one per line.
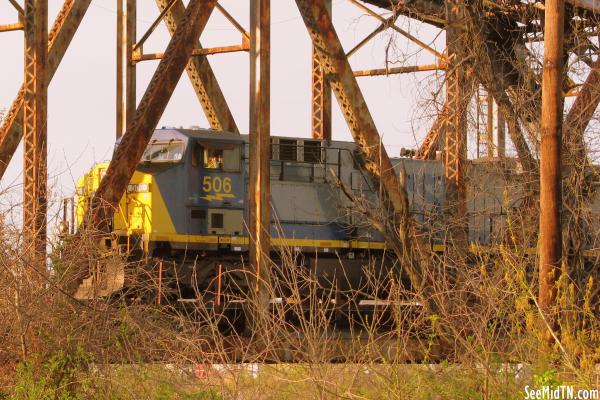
(187,203)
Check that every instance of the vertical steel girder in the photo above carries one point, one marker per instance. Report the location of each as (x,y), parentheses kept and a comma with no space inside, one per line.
(505,106)
(126,69)
(581,113)
(202,77)
(149,112)
(130,68)
(455,127)
(120,78)
(495,130)
(259,169)
(550,240)
(35,96)
(64,28)
(321,96)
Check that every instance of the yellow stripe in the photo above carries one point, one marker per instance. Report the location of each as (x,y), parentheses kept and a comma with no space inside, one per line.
(310,243)
(438,247)
(367,245)
(173,237)
(243,240)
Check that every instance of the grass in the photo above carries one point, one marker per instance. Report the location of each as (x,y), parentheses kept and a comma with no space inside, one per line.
(305,381)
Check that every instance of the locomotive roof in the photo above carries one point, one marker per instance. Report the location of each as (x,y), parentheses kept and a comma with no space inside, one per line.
(169,133)
(166,134)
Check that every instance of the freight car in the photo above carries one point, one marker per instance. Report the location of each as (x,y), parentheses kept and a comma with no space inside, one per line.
(187,204)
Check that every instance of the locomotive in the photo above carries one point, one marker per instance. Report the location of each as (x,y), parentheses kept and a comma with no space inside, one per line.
(187,203)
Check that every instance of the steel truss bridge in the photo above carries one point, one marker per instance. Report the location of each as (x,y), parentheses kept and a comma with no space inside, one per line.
(503,65)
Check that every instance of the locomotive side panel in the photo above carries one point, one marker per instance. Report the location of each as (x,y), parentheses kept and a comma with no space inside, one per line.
(495,190)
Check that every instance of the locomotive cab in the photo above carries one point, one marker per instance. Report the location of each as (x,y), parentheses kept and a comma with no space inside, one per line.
(185,193)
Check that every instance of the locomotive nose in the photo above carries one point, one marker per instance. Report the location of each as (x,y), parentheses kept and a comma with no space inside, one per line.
(138,204)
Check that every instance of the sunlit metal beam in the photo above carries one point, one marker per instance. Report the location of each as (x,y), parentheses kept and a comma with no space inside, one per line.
(259,224)
(455,125)
(17,26)
(233,21)
(581,114)
(321,95)
(197,52)
(400,70)
(130,89)
(35,138)
(383,26)
(153,26)
(17,7)
(550,237)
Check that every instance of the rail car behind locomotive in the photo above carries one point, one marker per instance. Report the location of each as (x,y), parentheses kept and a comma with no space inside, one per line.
(188,200)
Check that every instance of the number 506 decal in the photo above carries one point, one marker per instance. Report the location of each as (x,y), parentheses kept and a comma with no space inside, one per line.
(220,187)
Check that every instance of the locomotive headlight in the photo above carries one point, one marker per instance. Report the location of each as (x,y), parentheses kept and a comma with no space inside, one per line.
(138,188)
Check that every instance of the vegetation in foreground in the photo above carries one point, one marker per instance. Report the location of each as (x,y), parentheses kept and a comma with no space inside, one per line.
(486,344)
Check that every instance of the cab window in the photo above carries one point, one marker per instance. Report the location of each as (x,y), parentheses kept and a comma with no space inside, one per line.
(171,151)
(213,158)
(231,159)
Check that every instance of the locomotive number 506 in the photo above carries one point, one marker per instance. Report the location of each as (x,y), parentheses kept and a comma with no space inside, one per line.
(216,184)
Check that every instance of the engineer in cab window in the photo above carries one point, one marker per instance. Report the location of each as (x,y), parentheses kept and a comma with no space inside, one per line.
(213,159)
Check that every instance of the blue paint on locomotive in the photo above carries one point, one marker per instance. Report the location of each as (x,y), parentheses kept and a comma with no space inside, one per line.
(192,191)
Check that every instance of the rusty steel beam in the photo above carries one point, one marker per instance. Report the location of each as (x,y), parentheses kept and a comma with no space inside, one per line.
(202,77)
(197,52)
(259,218)
(495,129)
(17,26)
(455,126)
(431,143)
(120,75)
(400,70)
(321,96)
(383,26)
(130,89)
(550,240)
(529,163)
(139,131)
(153,26)
(35,97)
(233,21)
(581,114)
(17,7)
(64,28)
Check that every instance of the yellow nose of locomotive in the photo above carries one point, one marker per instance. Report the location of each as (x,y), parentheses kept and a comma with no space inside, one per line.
(134,215)
(135,209)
